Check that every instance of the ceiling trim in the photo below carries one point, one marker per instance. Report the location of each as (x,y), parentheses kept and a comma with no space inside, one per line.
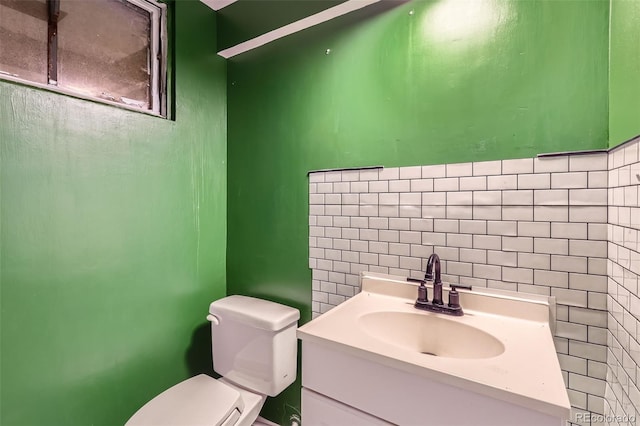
(218,4)
(310,21)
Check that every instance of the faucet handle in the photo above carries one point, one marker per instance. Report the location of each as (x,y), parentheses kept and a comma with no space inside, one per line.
(422,290)
(454,296)
(454,287)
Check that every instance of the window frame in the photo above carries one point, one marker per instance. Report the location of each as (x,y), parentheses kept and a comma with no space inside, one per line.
(159,57)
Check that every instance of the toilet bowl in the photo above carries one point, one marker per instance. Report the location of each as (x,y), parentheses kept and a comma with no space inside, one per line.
(254,349)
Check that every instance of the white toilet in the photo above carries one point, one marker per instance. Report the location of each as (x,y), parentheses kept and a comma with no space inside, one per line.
(255,352)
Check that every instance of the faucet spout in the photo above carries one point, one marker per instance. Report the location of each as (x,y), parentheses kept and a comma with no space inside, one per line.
(434,259)
(433,273)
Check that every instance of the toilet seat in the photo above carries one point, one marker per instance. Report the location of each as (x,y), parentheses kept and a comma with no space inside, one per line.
(200,400)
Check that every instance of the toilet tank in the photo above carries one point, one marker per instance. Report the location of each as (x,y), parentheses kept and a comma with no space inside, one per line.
(254,343)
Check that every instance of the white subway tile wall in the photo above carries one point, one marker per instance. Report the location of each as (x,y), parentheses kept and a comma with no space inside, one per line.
(530,225)
(622,394)
(564,226)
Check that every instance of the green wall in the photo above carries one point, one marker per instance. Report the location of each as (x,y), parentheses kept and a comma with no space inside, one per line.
(624,72)
(114,224)
(425,82)
(113,241)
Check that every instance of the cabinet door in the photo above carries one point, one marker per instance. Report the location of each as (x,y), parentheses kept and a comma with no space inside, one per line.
(402,398)
(318,410)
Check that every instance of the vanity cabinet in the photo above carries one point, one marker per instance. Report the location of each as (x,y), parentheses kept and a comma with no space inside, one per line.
(376,360)
(340,388)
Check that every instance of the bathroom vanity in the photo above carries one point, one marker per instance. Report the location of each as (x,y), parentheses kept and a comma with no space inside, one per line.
(376,359)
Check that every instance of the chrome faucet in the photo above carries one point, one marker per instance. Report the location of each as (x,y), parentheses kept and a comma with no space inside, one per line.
(436,305)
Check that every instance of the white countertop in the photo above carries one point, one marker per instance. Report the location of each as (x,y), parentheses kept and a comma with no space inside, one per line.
(527,373)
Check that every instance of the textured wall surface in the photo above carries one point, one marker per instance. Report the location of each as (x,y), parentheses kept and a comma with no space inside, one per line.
(112,242)
(624,69)
(623,355)
(425,82)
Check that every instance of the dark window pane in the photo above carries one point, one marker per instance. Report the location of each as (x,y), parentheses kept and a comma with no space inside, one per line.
(103,50)
(23,39)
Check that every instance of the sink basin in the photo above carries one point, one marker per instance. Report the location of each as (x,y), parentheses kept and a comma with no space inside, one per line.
(430,335)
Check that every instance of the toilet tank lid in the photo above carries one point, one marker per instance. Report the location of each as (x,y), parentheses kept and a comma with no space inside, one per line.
(254,312)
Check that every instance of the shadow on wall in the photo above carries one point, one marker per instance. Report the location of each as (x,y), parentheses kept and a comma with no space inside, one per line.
(198,356)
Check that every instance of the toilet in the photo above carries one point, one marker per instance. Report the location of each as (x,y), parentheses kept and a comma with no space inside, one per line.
(255,352)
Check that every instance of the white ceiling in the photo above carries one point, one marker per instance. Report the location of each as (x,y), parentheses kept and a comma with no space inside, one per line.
(310,21)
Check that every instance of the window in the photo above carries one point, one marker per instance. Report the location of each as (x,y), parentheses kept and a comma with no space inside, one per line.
(112,50)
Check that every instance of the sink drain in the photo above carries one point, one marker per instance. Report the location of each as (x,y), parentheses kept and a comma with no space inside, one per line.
(428,353)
